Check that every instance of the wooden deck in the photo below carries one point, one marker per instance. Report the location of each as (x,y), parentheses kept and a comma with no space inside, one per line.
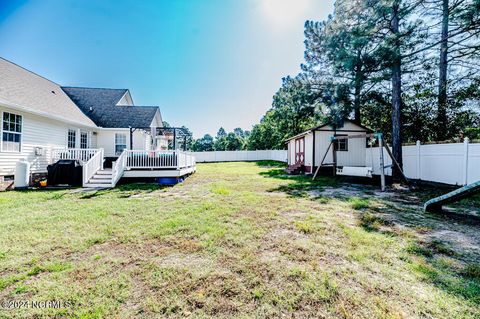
(130,164)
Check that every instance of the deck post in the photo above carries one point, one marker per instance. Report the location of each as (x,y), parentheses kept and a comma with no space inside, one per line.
(153,136)
(175,153)
(174,139)
(131,137)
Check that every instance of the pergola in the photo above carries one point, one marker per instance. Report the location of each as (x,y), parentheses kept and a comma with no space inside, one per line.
(172,133)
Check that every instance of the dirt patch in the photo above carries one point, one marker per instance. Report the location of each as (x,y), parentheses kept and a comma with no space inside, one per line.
(293,214)
(463,242)
(185,261)
(284,234)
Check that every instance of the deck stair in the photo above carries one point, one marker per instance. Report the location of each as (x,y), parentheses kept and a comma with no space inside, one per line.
(102,178)
(295,169)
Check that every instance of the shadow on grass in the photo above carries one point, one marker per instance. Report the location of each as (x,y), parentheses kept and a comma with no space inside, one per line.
(300,185)
(436,261)
(269,163)
(124,190)
(128,190)
(445,264)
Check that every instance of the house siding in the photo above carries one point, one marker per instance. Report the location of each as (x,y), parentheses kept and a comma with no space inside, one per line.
(106,140)
(37,131)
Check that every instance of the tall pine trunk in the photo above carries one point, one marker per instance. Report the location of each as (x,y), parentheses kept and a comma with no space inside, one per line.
(396,90)
(442,76)
(358,91)
(357,103)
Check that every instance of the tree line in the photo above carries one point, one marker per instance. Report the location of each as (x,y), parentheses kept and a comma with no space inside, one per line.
(223,141)
(407,68)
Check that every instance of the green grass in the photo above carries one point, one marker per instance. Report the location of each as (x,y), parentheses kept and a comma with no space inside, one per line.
(234,240)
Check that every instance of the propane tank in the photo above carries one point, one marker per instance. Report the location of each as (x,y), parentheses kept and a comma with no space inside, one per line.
(22,174)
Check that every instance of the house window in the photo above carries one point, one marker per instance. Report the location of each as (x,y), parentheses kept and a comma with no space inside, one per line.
(12,132)
(72,137)
(120,143)
(83,140)
(341,145)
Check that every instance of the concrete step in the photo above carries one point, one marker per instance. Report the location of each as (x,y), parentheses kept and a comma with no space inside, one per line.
(92,185)
(100,180)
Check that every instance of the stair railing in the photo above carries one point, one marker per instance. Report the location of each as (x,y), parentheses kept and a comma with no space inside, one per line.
(118,167)
(90,167)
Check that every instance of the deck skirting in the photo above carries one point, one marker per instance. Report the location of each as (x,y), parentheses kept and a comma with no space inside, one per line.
(159,173)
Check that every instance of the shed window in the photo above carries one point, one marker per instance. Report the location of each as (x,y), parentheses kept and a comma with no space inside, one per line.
(72,137)
(120,143)
(12,132)
(83,140)
(341,145)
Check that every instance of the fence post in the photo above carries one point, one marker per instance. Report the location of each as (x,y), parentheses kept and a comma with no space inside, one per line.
(419,175)
(465,161)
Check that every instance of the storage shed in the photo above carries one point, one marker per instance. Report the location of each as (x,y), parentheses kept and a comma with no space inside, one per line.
(307,150)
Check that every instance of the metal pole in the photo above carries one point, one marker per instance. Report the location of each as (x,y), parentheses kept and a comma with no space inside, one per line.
(313,154)
(382,164)
(175,146)
(334,156)
(174,139)
(131,138)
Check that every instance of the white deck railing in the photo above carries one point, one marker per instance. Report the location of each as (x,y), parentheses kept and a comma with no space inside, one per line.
(140,159)
(92,166)
(118,167)
(186,159)
(81,154)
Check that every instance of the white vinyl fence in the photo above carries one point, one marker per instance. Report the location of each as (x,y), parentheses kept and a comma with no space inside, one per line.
(233,156)
(456,164)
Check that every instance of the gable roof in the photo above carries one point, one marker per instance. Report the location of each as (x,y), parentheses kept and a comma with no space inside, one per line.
(25,90)
(367,129)
(339,129)
(101,106)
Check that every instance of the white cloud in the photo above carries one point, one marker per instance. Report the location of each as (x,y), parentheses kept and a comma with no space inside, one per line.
(283,13)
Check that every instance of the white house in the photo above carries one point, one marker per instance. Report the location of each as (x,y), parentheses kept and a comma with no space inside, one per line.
(43,122)
(307,150)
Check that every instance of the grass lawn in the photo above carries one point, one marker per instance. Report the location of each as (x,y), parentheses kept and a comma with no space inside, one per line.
(239,240)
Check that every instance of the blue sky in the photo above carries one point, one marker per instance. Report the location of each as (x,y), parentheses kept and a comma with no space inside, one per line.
(206,63)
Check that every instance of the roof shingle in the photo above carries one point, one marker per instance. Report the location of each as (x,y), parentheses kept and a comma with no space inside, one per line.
(23,88)
(100,105)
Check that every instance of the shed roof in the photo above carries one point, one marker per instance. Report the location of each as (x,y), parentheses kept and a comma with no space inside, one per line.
(101,105)
(26,90)
(366,129)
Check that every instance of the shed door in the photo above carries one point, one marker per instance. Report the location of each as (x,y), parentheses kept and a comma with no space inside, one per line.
(300,151)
